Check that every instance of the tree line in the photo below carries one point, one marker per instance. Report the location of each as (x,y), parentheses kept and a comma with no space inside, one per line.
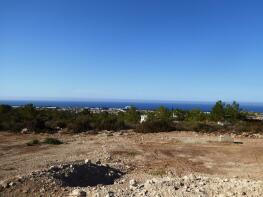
(162,119)
(51,120)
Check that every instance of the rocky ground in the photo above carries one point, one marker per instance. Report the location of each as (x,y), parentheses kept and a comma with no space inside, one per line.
(130,164)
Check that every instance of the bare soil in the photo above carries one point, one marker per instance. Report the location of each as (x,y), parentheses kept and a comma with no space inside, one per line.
(143,156)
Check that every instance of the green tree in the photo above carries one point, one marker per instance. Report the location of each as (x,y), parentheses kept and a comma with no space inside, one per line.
(27,112)
(80,124)
(163,113)
(5,109)
(232,111)
(218,111)
(196,115)
(132,116)
(179,114)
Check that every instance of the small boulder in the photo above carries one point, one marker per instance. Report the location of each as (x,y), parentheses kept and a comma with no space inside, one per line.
(4,184)
(110,194)
(78,193)
(53,168)
(11,184)
(87,161)
(98,162)
(24,131)
(133,184)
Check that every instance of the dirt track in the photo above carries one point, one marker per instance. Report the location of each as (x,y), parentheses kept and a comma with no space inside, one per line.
(146,155)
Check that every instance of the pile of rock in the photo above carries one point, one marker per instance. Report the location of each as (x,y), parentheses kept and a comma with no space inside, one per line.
(82,174)
(191,186)
(68,177)
(249,135)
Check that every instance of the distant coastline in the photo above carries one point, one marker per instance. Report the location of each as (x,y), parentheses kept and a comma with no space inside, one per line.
(142,105)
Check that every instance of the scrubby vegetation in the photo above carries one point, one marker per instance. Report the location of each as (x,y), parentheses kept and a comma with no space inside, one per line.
(52,120)
(154,126)
(52,141)
(46,141)
(33,142)
(222,117)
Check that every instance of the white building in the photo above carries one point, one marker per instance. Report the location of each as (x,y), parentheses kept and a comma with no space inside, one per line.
(143,118)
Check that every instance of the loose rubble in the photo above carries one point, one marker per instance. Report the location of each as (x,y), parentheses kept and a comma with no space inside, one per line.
(186,186)
(79,174)
(83,174)
(192,186)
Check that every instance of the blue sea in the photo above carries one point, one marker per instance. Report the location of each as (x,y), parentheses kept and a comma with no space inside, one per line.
(150,105)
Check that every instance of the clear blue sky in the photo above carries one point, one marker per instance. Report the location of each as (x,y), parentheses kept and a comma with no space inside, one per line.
(196,50)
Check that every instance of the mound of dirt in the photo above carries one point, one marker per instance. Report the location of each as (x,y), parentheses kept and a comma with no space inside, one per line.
(66,176)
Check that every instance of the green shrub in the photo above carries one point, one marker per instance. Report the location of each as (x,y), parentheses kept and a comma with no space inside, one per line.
(106,121)
(251,127)
(154,126)
(52,141)
(131,116)
(80,124)
(32,142)
(198,126)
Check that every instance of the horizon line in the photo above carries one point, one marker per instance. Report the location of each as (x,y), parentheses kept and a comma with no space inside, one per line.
(59,99)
